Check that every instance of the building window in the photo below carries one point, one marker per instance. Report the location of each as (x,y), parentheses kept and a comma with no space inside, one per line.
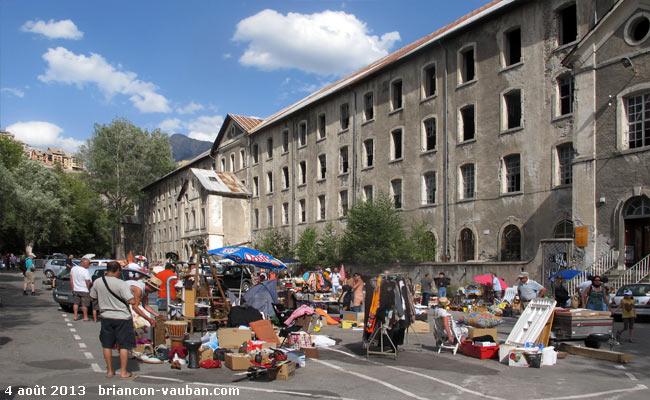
(368,193)
(302,209)
(368,107)
(345,116)
(187,222)
(396,94)
(285,140)
(565,94)
(321,207)
(512,104)
(242,158)
(568,25)
(193,219)
(429,81)
(269,216)
(269,182)
(565,169)
(269,148)
(467,67)
(343,160)
(302,134)
(322,166)
(467,123)
(285,177)
(638,120)
(232,163)
(429,134)
(396,191)
(511,244)
(343,199)
(429,188)
(466,245)
(285,213)
(256,153)
(512,173)
(396,144)
(169,214)
(512,47)
(256,186)
(303,172)
(322,126)
(256,218)
(637,29)
(563,230)
(203,218)
(368,149)
(467,179)
(223,166)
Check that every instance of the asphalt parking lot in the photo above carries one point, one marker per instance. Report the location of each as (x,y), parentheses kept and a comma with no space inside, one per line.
(43,347)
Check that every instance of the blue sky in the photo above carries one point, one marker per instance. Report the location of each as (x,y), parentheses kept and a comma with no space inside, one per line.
(183,65)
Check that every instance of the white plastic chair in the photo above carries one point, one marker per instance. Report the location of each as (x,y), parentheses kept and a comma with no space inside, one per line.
(439,334)
(509,294)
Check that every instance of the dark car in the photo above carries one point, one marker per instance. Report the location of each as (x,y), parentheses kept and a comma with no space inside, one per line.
(232,279)
(62,292)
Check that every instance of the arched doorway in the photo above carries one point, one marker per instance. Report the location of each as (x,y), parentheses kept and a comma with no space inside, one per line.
(636,215)
(466,245)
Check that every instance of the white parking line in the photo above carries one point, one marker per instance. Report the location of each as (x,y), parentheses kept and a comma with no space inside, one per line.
(619,366)
(369,378)
(64,315)
(69,324)
(598,394)
(96,367)
(88,355)
(82,345)
(73,330)
(76,337)
(631,376)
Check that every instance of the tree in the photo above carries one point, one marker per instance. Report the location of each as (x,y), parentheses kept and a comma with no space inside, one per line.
(276,244)
(330,247)
(11,152)
(307,248)
(374,235)
(422,244)
(121,159)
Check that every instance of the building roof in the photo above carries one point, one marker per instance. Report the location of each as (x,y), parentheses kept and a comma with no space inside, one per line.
(388,60)
(180,168)
(220,182)
(245,123)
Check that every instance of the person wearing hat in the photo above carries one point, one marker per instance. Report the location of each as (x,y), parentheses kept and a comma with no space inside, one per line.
(528,290)
(629,313)
(141,290)
(29,274)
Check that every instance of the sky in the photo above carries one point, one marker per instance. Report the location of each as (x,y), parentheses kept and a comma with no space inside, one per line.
(181,66)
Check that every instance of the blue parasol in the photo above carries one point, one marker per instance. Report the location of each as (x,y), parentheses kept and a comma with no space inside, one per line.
(245,255)
(567,274)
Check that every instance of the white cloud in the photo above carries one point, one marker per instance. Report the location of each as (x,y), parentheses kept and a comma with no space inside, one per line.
(65,29)
(15,92)
(205,127)
(43,134)
(190,108)
(327,43)
(66,67)
(227,55)
(170,125)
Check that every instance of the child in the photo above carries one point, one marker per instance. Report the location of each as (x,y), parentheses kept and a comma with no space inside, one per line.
(627,303)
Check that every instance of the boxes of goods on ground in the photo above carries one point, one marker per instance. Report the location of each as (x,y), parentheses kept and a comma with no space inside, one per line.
(237,361)
(478,332)
(310,352)
(580,323)
(525,358)
(284,372)
(345,324)
(232,338)
(349,316)
(482,350)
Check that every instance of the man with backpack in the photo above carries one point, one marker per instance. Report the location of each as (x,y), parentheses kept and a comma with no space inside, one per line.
(27,266)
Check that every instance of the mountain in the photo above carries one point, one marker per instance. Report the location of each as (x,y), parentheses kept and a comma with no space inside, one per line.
(185,148)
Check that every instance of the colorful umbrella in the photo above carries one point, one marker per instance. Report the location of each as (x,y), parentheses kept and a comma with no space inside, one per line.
(342,273)
(487,281)
(244,255)
(567,274)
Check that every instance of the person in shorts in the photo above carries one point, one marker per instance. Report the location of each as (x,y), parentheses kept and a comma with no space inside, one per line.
(29,274)
(628,314)
(113,296)
(80,284)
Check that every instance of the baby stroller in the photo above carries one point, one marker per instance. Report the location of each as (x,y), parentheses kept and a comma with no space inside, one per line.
(299,324)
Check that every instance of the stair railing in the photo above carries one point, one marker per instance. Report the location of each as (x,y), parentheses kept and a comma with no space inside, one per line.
(602,265)
(634,274)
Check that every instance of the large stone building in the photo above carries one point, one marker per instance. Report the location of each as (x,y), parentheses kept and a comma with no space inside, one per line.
(505,131)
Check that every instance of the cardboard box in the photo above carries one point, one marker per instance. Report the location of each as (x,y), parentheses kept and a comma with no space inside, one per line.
(516,359)
(237,362)
(206,354)
(478,332)
(283,373)
(348,324)
(310,352)
(350,316)
(420,327)
(232,338)
(252,345)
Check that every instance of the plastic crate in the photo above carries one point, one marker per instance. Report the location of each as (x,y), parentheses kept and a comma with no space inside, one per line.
(479,352)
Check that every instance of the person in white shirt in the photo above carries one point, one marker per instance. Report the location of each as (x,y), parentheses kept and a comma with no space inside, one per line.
(335,278)
(496,287)
(80,283)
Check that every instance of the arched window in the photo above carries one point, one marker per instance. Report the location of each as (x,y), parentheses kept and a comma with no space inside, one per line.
(511,244)
(564,230)
(638,207)
(466,245)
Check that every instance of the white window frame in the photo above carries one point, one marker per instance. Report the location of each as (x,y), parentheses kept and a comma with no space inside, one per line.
(302,172)
(461,64)
(557,165)
(393,83)
(344,160)
(365,153)
(461,123)
(321,211)
(425,193)
(365,108)
(285,144)
(322,169)
(504,174)
(425,80)
(392,146)
(269,216)
(344,203)
(505,45)
(285,213)
(504,110)
(424,135)
(366,189)
(622,131)
(302,210)
(461,181)
(322,127)
(269,182)
(393,194)
(302,138)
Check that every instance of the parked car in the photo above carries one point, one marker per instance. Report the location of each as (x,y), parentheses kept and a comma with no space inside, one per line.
(641,294)
(62,292)
(41,262)
(231,276)
(54,267)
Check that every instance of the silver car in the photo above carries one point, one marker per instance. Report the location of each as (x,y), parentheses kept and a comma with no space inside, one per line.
(54,267)
(641,294)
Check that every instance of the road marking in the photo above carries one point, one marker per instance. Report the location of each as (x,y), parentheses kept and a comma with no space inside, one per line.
(64,315)
(96,367)
(73,330)
(76,337)
(88,355)
(69,324)
(619,366)
(631,376)
(379,381)
(599,394)
(82,345)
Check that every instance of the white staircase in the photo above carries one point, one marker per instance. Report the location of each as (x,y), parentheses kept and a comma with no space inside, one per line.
(602,265)
(634,274)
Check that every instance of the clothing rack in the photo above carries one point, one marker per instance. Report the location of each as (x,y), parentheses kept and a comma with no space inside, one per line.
(382,330)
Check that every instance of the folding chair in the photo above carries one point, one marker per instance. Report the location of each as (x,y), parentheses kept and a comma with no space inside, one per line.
(440,334)
(509,295)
